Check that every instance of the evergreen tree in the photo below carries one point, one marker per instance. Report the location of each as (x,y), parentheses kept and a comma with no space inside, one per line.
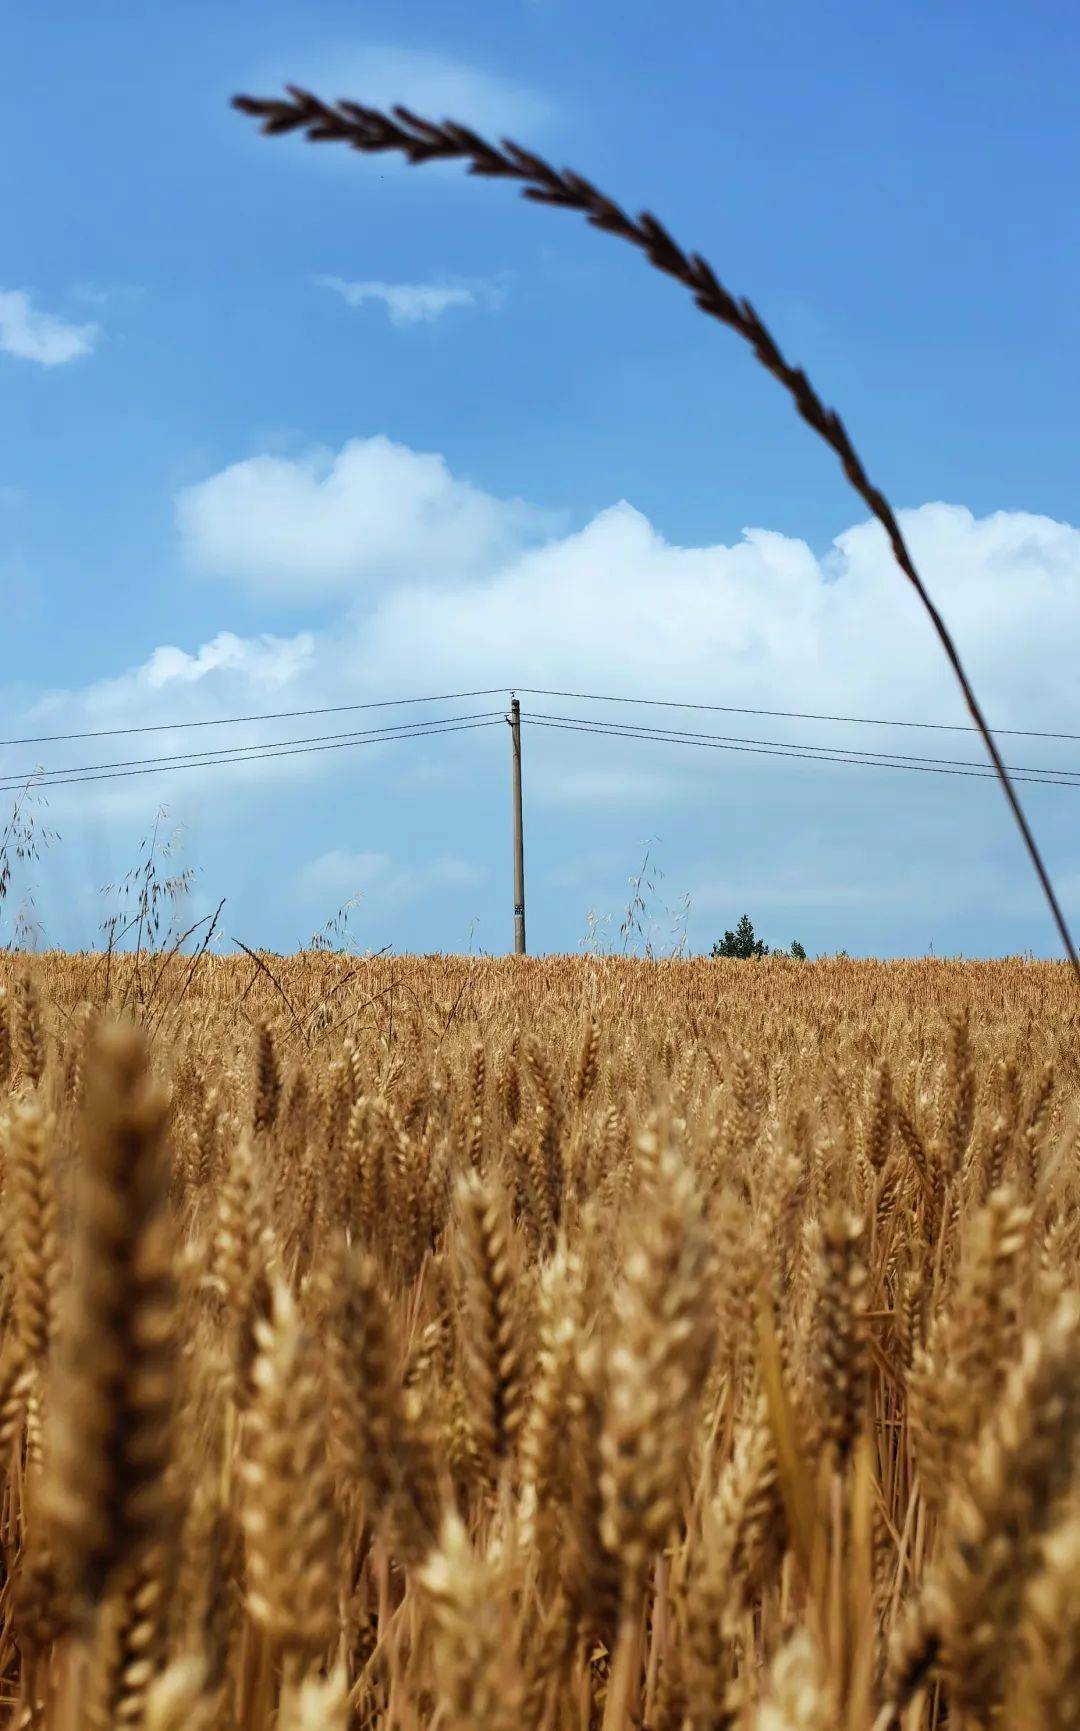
(741,943)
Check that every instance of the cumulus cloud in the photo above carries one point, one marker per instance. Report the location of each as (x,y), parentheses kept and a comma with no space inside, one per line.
(105,294)
(375,512)
(555,781)
(460,599)
(33,335)
(432,84)
(458,594)
(791,885)
(616,607)
(196,686)
(411,303)
(185,691)
(339,876)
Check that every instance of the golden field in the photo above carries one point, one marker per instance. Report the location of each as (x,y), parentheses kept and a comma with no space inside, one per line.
(539,1344)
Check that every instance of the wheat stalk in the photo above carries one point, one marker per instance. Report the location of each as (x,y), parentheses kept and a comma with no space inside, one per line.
(709,1457)
(371,131)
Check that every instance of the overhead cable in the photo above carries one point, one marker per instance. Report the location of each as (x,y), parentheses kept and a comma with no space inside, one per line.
(401,729)
(684,735)
(527,691)
(789,714)
(814,756)
(256,756)
(238,720)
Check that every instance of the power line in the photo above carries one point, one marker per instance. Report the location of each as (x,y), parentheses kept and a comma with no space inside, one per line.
(528,691)
(77,774)
(43,776)
(237,720)
(820,756)
(257,756)
(684,736)
(790,714)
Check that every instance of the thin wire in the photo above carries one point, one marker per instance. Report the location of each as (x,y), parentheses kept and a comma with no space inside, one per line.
(684,735)
(297,751)
(609,730)
(492,719)
(42,776)
(819,755)
(606,731)
(421,141)
(790,714)
(528,691)
(236,720)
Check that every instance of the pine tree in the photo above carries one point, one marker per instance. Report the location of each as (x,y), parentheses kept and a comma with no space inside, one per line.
(741,943)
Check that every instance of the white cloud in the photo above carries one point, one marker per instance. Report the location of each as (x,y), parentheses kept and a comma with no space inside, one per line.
(226,676)
(105,294)
(792,886)
(343,874)
(464,602)
(434,85)
(411,303)
(33,335)
(221,673)
(337,876)
(374,512)
(459,597)
(558,782)
(764,623)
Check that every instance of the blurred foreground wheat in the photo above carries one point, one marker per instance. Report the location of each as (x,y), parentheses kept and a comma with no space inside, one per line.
(542,1344)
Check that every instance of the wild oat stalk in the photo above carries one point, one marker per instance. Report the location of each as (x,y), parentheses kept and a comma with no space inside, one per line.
(369,131)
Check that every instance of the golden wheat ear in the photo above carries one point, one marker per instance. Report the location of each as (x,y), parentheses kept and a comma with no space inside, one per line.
(383,1449)
(493,1336)
(30,1038)
(991,1545)
(110,1418)
(289,1520)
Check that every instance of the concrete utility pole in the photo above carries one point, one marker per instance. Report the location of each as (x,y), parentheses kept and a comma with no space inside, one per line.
(514,719)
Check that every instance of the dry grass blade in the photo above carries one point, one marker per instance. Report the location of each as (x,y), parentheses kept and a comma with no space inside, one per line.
(370,131)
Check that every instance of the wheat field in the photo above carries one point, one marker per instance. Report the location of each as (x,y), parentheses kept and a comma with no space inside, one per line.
(539,1344)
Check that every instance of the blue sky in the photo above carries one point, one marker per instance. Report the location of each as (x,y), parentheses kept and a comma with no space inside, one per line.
(283,428)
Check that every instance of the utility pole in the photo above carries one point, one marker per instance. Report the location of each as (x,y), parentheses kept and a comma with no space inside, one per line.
(514,718)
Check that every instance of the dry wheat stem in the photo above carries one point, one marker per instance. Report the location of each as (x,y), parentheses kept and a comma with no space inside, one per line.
(370,131)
